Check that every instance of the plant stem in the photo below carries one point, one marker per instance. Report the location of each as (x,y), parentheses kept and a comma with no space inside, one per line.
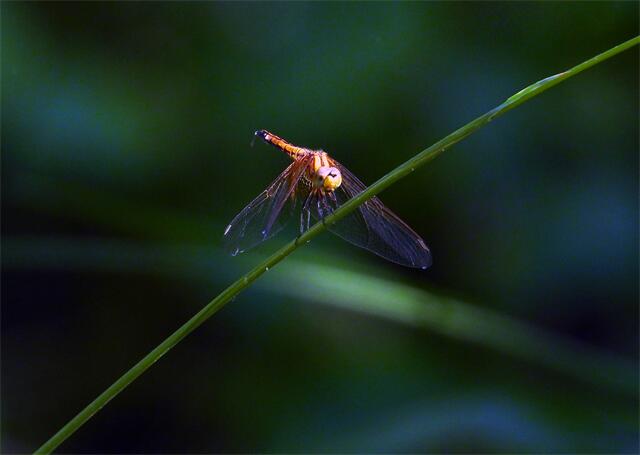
(401,171)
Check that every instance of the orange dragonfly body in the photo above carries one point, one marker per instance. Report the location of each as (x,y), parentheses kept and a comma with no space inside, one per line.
(320,184)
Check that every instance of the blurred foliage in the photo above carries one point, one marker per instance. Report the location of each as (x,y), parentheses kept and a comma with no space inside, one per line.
(125,146)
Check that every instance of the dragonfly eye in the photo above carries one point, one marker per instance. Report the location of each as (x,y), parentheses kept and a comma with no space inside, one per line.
(330,178)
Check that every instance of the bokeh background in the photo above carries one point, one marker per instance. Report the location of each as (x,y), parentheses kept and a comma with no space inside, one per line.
(126,131)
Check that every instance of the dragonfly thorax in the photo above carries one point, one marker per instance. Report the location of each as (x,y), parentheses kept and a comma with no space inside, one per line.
(327,178)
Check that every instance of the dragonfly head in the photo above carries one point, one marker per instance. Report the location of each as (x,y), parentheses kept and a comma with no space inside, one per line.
(329,178)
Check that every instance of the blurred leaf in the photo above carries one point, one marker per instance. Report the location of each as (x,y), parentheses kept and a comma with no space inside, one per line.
(348,287)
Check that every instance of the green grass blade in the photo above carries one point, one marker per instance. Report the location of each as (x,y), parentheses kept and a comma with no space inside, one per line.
(234,289)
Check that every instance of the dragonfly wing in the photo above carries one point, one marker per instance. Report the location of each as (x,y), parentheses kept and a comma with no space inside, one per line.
(267,214)
(372,226)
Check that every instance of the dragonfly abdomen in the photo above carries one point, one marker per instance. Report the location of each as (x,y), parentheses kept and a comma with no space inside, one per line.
(293,151)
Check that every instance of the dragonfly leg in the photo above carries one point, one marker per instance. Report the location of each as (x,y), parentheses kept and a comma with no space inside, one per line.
(334,199)
(325,208)
(304,224)
(320,211)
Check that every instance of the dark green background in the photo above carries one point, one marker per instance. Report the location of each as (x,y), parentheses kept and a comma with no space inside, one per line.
(126,132)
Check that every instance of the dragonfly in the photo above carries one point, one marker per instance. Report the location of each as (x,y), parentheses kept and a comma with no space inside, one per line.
(312,187)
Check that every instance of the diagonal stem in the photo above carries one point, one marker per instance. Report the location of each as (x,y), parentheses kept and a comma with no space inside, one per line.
(234,289)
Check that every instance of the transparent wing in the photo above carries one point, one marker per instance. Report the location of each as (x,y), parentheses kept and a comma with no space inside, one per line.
(267,214)
(372,226)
